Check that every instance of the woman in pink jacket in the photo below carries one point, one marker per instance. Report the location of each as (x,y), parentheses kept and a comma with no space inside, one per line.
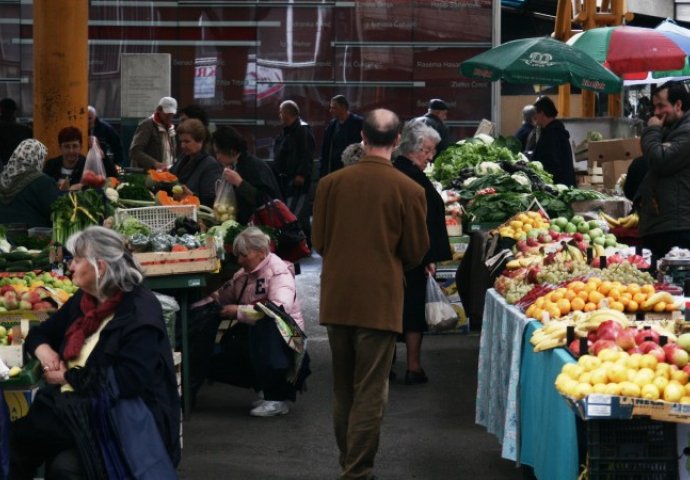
(263,276)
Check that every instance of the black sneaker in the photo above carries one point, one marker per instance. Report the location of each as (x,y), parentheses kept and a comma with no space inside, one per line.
(415,378)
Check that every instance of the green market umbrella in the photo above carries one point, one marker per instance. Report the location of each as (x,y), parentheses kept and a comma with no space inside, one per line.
(544,61)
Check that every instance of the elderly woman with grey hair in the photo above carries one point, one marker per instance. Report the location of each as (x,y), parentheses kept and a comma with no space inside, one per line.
(111,326)
(416,150)
(352,154)
(263,276)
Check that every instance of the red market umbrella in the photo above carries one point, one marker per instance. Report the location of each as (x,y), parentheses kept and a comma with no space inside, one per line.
(631,52)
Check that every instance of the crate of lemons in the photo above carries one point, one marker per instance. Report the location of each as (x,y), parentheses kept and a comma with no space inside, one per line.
(524,225)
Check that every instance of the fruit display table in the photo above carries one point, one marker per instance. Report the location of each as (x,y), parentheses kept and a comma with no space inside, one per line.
(516,399)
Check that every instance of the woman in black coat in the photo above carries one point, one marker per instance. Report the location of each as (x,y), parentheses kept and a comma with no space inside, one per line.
(253,179)
(416,151)
(112,325)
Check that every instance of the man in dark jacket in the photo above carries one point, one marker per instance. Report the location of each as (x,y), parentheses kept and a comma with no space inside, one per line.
(343,130)
(108,138)
(436,117)
(11,132)
(528,122)
(293,160)
(553,148)
(665,191)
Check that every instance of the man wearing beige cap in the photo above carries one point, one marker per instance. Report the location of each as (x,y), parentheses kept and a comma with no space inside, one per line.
(153,145)
(435,118)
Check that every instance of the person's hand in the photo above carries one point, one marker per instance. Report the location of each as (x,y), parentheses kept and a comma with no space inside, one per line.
(430,269)
(298,181)
(232,177)
(655,121)
(229,311)
(56,377)
(48,357)
(76,187)
(63,184)
(160,166)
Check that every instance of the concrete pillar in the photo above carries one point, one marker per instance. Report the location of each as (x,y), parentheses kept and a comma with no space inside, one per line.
(61,76)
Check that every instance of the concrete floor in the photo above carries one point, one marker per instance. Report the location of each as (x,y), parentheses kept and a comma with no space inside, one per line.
(428,431)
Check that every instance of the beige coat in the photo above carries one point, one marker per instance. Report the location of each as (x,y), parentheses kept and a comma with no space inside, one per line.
(369,226)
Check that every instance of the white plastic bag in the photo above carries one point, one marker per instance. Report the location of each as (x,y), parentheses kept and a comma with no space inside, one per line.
(225,204)
(440,314)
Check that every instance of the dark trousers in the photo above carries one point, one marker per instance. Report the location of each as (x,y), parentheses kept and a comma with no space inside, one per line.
(36,438)
(661,243)
(271,358)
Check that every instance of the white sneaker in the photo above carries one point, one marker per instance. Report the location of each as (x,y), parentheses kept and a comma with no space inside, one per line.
(259,400)
(270,408)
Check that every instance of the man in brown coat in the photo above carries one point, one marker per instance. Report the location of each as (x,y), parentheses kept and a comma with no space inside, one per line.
(369,226)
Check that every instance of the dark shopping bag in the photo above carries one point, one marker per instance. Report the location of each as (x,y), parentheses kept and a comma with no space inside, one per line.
(291,240)
(203,326)
(232,364)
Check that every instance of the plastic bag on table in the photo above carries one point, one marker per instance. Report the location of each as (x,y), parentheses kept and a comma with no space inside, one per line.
(94,171)
(439,312)
(170,308)
(225,204)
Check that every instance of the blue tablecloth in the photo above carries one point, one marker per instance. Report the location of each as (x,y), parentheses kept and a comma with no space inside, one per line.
(548,436)
(499,372)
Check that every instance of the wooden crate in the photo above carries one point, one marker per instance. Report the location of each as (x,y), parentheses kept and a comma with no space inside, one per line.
(202,259)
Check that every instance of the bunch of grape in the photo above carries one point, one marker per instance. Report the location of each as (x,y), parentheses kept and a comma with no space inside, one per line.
(558,272)
(626,273)
(516,291)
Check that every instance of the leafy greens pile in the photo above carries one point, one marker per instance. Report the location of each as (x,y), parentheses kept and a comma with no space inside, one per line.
(75,211)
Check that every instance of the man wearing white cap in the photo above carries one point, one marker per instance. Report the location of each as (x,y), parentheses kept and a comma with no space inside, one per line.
(153,145)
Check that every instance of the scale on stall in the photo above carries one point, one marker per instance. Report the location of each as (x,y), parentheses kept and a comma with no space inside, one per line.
(675,270)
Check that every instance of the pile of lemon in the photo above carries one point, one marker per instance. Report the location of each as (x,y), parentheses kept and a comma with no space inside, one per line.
(629,375)
(519,225)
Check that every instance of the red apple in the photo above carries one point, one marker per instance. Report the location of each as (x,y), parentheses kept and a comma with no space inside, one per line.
(11,301)
(574,346)
(658,352)
(676,355)
(642,335)
(592,336)
(600,345)
(686,369)
(634,349)
(6,288)
(577,236)
(554,235)
(609,330)
(648,345)
(626,339)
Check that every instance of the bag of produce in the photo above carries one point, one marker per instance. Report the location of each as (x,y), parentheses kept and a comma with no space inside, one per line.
(439,312)
(94,171)
(225,205)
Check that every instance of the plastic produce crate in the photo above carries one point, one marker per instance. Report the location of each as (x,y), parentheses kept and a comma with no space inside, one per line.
(159,219)
(636,449)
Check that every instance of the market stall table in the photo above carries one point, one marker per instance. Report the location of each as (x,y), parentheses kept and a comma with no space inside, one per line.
(516,399)
(182,284)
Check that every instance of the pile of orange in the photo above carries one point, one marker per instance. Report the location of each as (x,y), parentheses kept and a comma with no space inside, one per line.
(594,294)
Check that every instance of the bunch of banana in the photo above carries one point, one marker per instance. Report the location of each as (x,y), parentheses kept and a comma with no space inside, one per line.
(597,250)
(628,221)
(551,335)
(597,317)
(657,298)
(523,262)
(575,253)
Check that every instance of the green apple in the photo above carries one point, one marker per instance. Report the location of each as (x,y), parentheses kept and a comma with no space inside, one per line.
(596,232)
(533,233)
(561,221)
(555,228)
(609,243)
(586,237)
(583,227)
(577,219)
(3,331)
(599,241)
(570,228)
(593,224)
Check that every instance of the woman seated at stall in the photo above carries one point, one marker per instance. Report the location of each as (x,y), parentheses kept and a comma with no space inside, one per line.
(197,170)
(111,328)
(253,179)
(263,276)
(68,168)
(26,193)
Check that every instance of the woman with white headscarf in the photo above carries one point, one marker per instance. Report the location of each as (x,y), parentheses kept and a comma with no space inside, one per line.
(26,193)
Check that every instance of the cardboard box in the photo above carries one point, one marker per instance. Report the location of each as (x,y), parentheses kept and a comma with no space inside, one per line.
(613,170)
(599,406)
(615,149)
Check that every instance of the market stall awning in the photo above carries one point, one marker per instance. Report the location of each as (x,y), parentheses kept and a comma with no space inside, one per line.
(543,61)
